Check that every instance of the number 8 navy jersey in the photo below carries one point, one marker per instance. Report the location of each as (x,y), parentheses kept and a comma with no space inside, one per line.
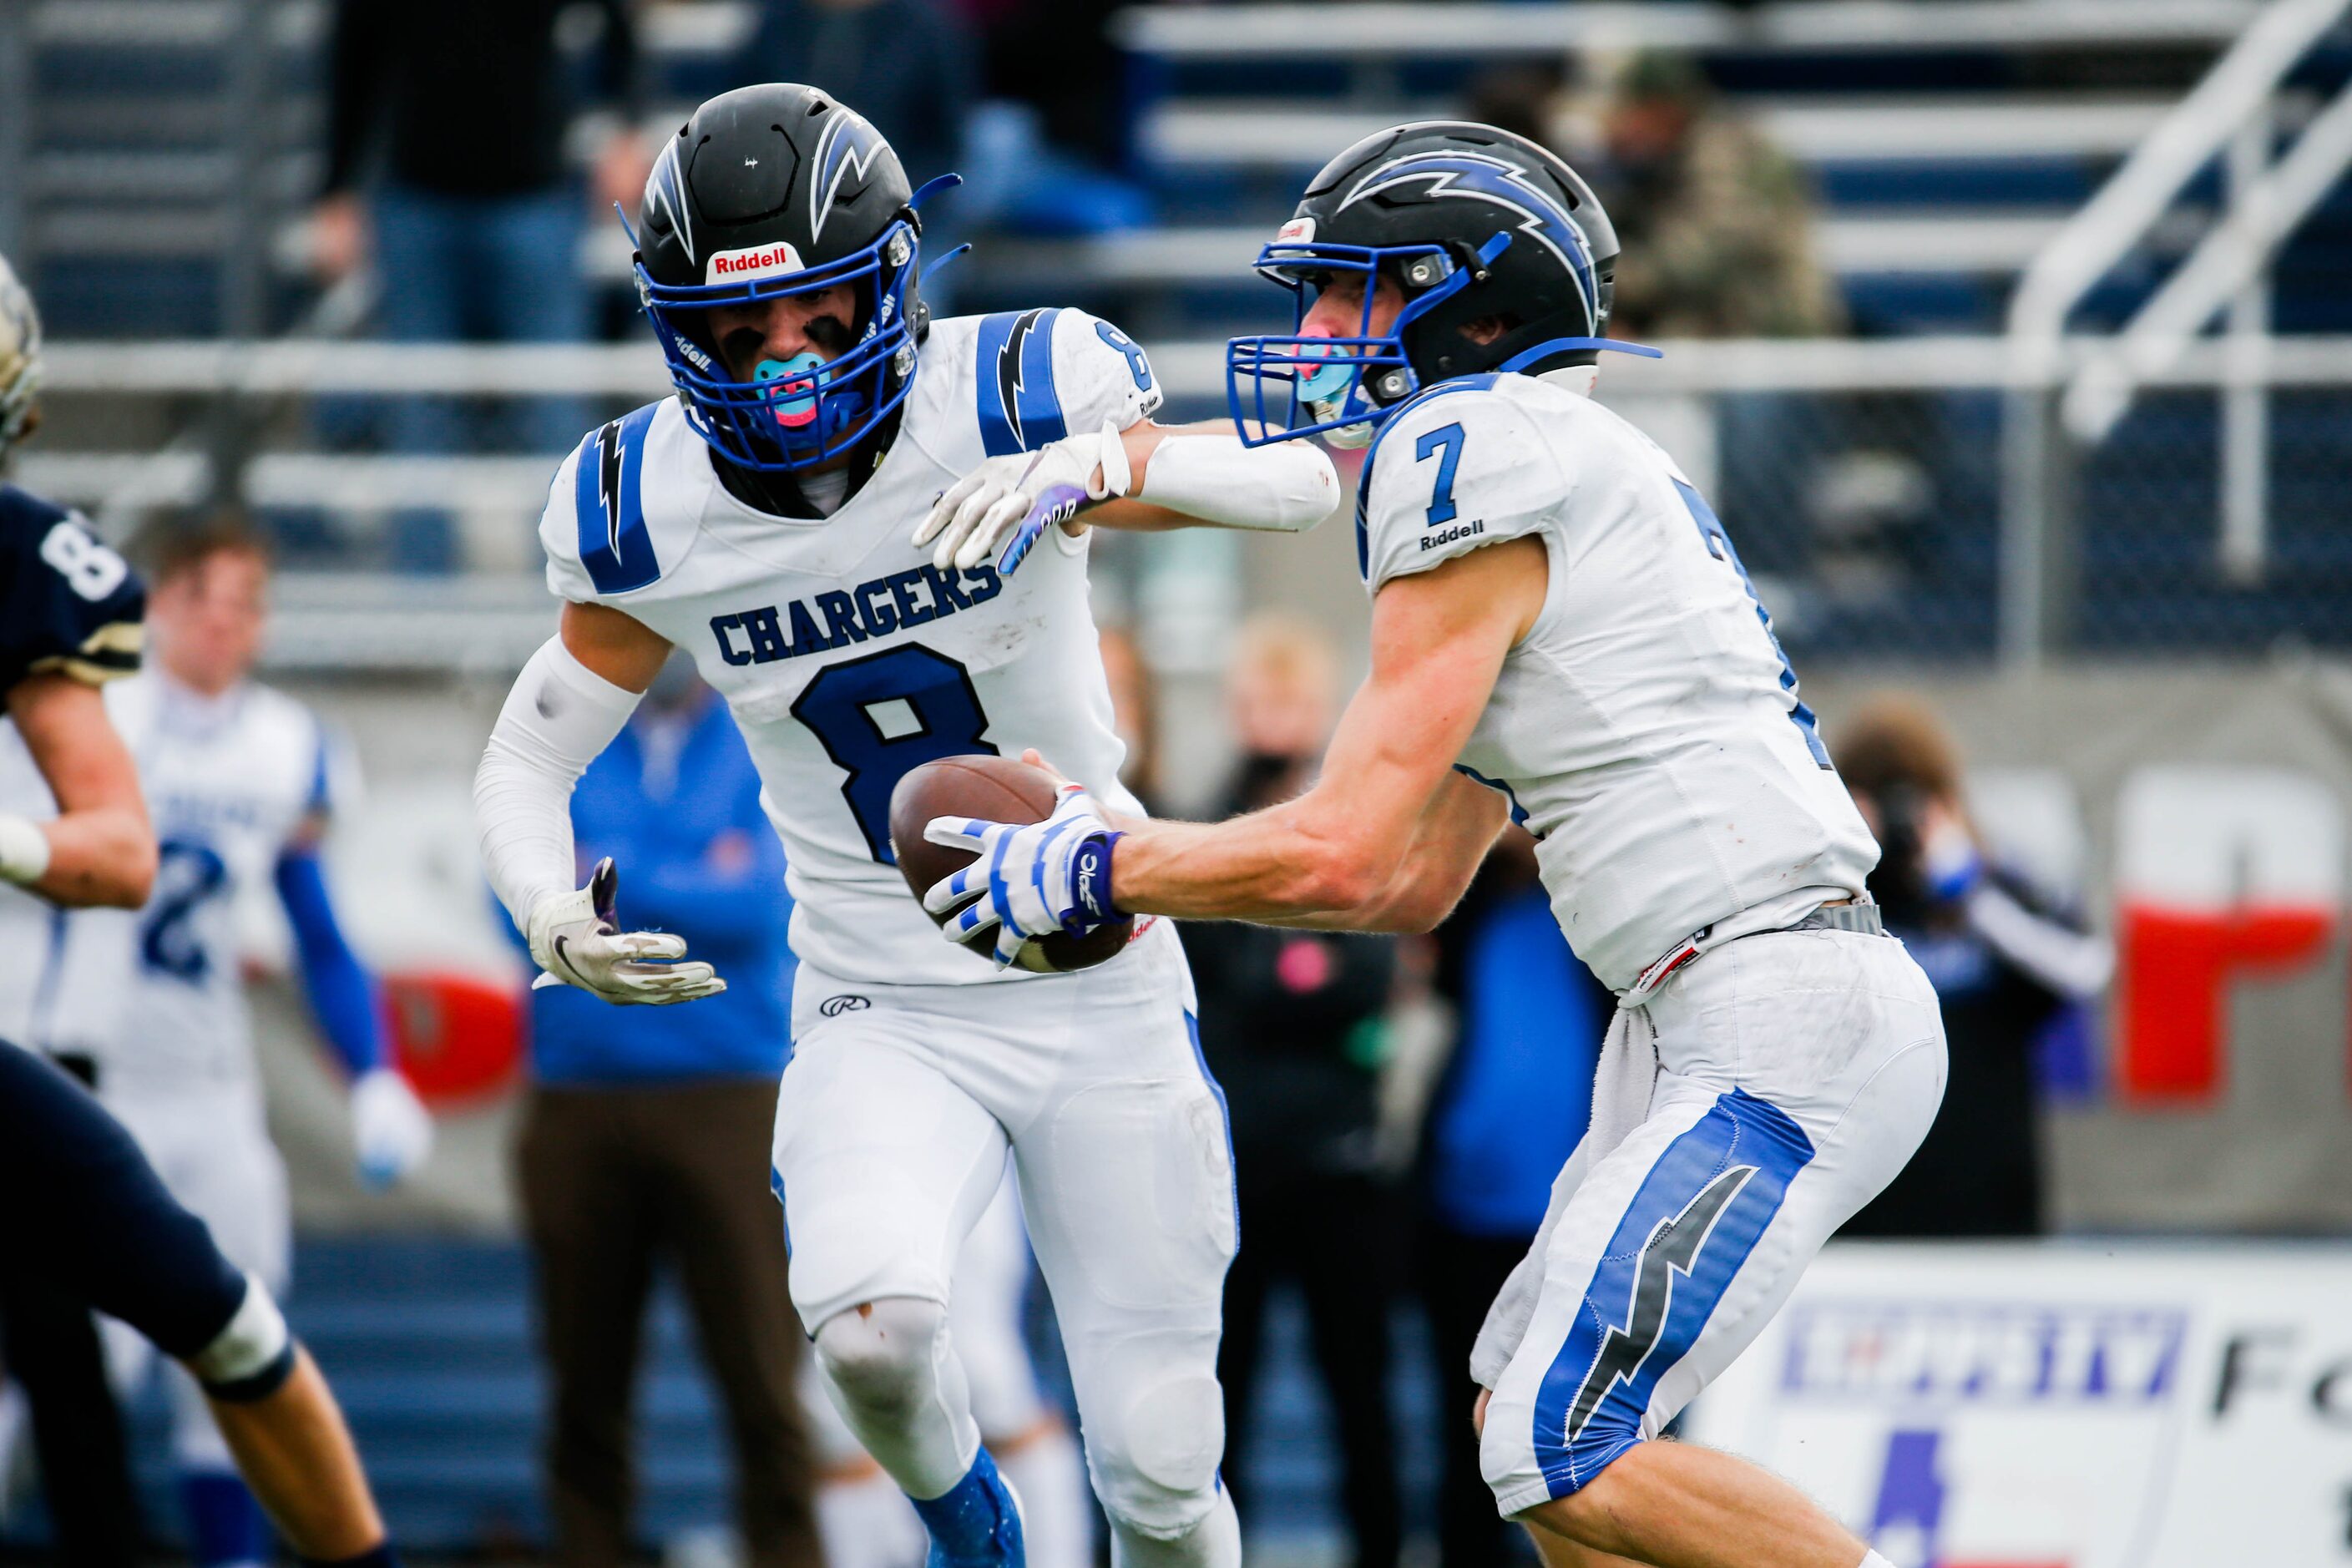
(67,603)
(1647,729)
(847,657)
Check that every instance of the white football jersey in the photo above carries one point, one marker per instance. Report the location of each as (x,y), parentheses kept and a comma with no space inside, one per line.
(1647,729)
(156,994)
(847,657)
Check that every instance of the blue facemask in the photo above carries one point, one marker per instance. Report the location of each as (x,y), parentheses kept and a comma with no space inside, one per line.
(796,416)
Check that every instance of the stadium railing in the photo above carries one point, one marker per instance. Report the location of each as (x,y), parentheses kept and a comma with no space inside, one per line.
(1861,478)
(2234,113)
(1390,31)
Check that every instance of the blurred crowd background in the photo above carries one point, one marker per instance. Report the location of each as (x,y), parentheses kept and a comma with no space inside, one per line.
(2067,575)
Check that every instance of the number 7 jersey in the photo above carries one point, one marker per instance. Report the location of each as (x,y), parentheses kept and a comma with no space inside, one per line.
(1647,729)
(847,657)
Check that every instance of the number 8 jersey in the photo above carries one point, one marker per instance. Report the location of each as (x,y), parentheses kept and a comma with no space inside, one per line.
(847,657)
(1647,729)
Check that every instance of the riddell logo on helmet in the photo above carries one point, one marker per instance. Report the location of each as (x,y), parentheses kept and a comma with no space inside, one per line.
(758,261)
(1297,231)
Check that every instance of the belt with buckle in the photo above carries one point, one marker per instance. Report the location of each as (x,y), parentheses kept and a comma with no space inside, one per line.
(1855,915)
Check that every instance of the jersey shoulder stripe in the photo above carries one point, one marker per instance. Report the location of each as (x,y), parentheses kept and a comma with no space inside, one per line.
(1479,383)
(1013,376)
(608,500)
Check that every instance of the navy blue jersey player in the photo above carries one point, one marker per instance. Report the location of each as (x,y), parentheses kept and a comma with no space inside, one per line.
(85,1211)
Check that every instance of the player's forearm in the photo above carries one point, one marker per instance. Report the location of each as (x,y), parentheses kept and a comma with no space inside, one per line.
(99,848)
(295,1452)
(1318,862)
(559,716)
(102,855)
(1278,867)
(1189,475)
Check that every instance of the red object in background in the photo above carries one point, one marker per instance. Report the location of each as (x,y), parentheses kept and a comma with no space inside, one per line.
(2177,969)
(457,1036)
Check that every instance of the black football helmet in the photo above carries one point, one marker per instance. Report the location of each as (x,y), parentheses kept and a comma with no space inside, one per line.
(1470,221)
(772,190)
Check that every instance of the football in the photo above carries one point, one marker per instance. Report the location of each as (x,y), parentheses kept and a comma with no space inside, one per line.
(993,789)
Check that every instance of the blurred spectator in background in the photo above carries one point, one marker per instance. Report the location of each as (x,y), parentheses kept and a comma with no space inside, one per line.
(1521,96)
(1506,1114)
(907,66)
(1047,140)
(456,115)
(1719,225)
(1293,1026)
(1721,220)
(1134,713)
(2009,966)
(646,1136)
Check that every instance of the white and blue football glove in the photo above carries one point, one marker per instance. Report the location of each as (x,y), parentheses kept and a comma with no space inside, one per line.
(1003,506)
(576,938)
(1032,879)
(392,1129)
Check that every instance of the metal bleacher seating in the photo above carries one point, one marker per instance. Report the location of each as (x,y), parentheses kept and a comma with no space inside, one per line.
(1945,154)
(1947,150)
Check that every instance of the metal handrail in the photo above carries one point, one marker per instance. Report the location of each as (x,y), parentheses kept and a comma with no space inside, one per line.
(1386,30)
(2118,217)
(2232,254)
(1189,369)
(2035,549)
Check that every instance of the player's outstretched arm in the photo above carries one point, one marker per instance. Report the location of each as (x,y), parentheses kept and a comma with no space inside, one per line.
(1144,478)
(99,848)
(1386,840)
(569,702)
(1390,834)
(294,1451)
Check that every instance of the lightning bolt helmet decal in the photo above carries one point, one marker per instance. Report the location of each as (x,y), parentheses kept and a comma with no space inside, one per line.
(847,147)
(1504,181)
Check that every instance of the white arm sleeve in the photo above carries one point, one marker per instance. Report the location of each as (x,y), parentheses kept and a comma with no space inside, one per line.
(1286,487)
(559,716)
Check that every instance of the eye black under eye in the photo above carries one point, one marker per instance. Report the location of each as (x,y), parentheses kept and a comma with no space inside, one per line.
(742,343)
(828,333)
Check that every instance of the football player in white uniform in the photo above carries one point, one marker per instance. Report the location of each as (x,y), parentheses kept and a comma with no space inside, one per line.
(1562,633)
(242,781)
(793,518)
(864,1519)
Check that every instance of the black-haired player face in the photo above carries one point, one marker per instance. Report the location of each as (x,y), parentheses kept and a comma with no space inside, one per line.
(787,338)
